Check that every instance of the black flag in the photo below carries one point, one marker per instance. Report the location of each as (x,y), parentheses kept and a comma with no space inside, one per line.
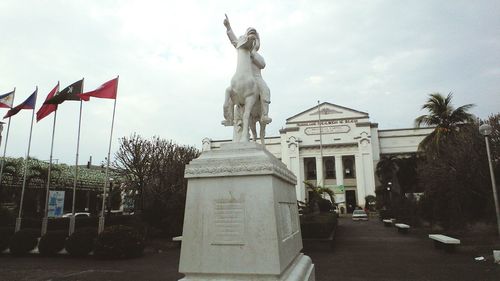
(69,93)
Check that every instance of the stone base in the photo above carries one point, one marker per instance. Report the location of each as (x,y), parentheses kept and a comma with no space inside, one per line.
(241,220)
(301,269)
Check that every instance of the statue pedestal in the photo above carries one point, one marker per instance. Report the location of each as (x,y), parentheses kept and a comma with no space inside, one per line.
(241,220)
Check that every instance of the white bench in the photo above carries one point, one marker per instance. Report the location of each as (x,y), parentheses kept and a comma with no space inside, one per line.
(388,222)
(402,228)
(443,241)
(177,239)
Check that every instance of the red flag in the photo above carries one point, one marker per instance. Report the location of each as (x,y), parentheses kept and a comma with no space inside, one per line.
(47,109)
(105,91)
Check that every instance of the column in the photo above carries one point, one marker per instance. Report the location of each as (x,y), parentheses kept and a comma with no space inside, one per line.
(360,181)
(301,190)
(320,178)
(339,170)
(339,174)
(294,166)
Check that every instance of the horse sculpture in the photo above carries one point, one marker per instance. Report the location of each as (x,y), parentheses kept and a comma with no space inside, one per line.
(255,117)
(242,107)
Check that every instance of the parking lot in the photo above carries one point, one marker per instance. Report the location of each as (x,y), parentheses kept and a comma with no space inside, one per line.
(364,250)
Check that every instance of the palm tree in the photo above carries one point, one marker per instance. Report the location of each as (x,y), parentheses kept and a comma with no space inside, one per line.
(386,169)
(317,194)
(444,117)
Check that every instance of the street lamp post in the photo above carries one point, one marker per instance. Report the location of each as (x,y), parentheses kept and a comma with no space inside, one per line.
(486,130)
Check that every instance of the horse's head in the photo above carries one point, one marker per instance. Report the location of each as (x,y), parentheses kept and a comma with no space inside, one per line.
(250,40)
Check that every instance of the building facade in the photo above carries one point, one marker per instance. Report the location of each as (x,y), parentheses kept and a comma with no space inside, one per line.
(336,147)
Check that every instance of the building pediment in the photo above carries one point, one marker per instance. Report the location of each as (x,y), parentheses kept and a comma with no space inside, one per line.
(327,111)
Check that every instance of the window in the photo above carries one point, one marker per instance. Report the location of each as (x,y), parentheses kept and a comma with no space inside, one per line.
(329,164)
(310,168)
(349,167)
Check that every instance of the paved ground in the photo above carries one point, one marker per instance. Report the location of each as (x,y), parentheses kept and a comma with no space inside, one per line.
(370,251)
(363,251)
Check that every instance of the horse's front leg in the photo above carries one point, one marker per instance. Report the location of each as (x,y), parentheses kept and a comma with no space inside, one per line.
(228,109)
(238,123)
(262,133)
(249,103)
(253,127)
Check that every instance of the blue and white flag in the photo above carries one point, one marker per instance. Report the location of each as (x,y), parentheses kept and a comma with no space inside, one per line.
(7,100)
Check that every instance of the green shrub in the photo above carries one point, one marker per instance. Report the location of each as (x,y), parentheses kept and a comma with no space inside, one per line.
(324,205)
(133,221)
(24,241)
(61,223)
(5,236)
(119,241)
(81,242)
(318,225)
(7,218)
(87,222)
(52,243)
(385,214)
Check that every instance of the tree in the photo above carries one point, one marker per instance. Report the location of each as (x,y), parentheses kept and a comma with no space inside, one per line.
(155,169)
(494,138)
(132,160)
(12,173)
(456,182)
(370,202)
(317,199)
(400,174)
(386,171)
(444,117)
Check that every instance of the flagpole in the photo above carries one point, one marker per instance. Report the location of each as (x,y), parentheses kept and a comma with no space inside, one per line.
(106,179)
(18,220)
(45,216)
(322,182)
(6,140)
(72,218)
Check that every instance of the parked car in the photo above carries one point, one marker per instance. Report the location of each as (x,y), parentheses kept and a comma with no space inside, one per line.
(359,215)
(77,215)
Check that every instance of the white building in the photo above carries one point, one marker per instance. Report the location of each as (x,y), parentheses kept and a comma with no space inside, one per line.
(347,150)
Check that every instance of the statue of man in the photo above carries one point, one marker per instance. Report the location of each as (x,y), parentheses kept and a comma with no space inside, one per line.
(258,64)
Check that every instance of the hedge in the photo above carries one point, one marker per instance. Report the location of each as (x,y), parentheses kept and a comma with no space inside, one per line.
(81,222)
(119,241)
(6,234)
(24,241)
(318,226)
(81,242)
(52,242)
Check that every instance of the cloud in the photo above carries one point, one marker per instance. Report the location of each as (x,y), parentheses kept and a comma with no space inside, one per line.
(175,61)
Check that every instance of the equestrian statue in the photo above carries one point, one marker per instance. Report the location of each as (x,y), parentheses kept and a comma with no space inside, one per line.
(247,98)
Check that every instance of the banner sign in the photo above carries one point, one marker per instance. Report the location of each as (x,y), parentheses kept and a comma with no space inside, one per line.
(337,189)
(339,198)
(56,204)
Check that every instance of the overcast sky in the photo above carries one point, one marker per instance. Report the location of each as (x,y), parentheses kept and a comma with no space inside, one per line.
(175,61)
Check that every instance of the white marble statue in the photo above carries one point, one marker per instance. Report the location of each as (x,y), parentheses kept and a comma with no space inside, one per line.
(248,96)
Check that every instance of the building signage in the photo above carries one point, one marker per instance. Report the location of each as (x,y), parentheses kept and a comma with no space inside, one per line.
(339,129)
(56,204)
(328,122)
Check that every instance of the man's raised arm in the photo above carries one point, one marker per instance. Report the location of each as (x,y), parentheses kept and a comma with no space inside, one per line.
(229,32)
